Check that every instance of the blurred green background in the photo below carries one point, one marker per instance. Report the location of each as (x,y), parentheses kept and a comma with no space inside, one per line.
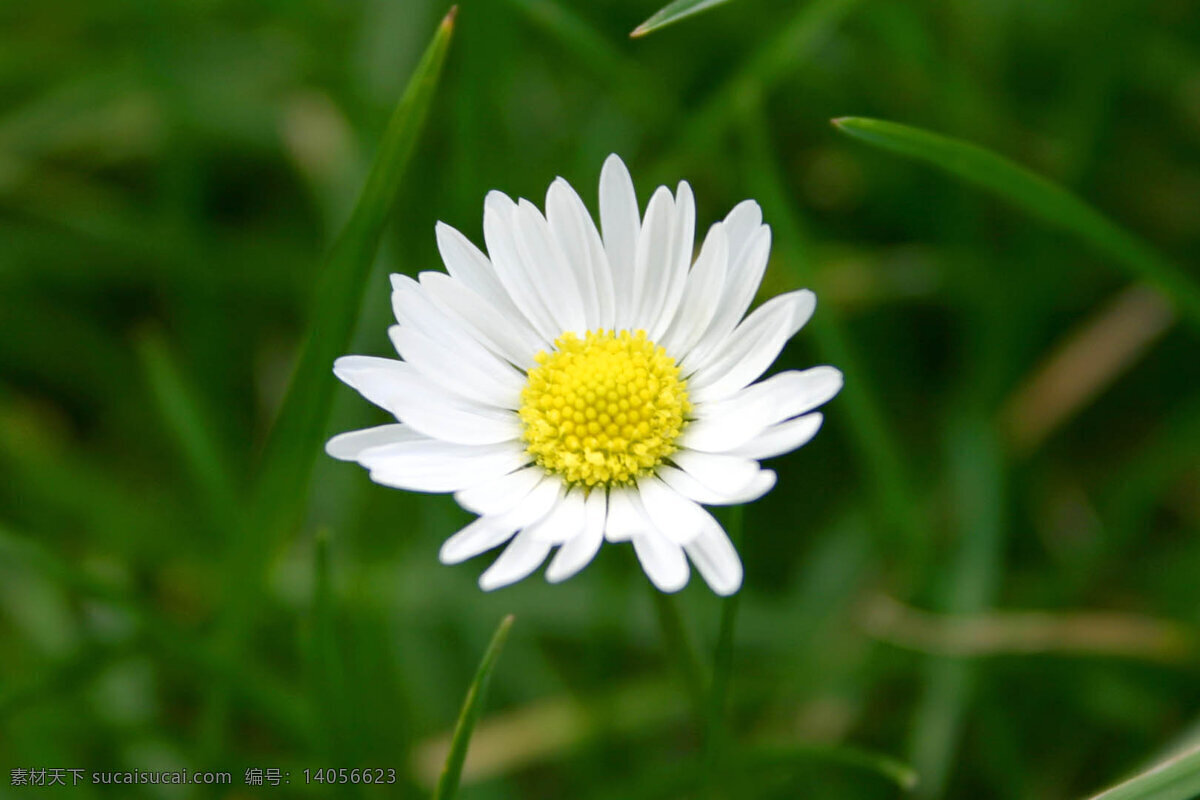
(1020,431)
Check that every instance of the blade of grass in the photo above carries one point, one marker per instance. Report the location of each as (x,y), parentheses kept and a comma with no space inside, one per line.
(1033,193)
(190,424)
(1176,778)
(300,425)
(294,441)
(471,711)
(672,13)
(975,472)
(887,767)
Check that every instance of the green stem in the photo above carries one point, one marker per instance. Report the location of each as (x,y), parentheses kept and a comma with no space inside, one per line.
(717,734)
(682,649)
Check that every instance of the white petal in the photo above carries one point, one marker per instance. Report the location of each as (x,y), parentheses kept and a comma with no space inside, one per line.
(701,294)
(347,446)
(683,243)
(751,348)
(579,551)
(476,376)
(576,234)
(507,334)
(500,233)
(688,486)
(500,495)
(672,514)
(734,421)
(716,560)
(424,406)
(468,265)
(379,380)
(522,556)
(436,466)
(564,522)
(719,427)
(621,224)
(721,473)
(624,519)
(782,438)
(662,560)
(653,263)
(547,264)
(747,263)
(480,536)
(415,308)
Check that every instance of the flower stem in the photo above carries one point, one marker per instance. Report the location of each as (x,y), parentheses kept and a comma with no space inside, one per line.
(716,733)
(683,650)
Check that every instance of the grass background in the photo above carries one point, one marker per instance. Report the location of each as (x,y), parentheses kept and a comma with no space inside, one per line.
(1019,432)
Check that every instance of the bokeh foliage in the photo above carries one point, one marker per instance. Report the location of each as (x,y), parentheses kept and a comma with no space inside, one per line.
(1019,433)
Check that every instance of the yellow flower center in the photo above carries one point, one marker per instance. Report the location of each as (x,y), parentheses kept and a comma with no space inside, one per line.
(603,409)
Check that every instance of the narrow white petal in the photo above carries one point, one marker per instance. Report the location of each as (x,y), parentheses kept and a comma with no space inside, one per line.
(653,263)
(672,514)
(683,242)
(781,438)
(624,520)
(716,560)
(468,265)
(424,406)
(480,536)
(500,233)
(752,348)
(580,241)
(415,308)
(621,225)
(347,446)
(688,486)
(731,423)
(722,426)
(563,523)
(522,556)
(579,551)
(436,466)
(746,266)
(379,380)
(662,559)
(507,334)
(721,473)
(701,294)
(500,495)
(548,266)
(461,371)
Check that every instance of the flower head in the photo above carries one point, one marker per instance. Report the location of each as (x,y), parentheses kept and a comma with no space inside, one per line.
(573,386)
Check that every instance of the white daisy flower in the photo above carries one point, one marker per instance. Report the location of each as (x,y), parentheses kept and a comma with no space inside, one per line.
(574,386)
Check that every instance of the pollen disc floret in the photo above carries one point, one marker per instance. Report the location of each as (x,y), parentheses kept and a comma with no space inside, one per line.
(603,409)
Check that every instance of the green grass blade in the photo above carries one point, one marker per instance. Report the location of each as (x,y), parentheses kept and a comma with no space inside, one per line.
(295,438)
(681,648)
(190,424)
(1177,778)
(887,767)
(977,486)
(471,711)
(1036,195)
(673,12)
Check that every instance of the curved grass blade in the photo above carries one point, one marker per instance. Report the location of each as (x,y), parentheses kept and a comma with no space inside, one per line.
(886,767)
(672,13)
(1036,195)
(1177,778)
(293,443)
(471,711)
